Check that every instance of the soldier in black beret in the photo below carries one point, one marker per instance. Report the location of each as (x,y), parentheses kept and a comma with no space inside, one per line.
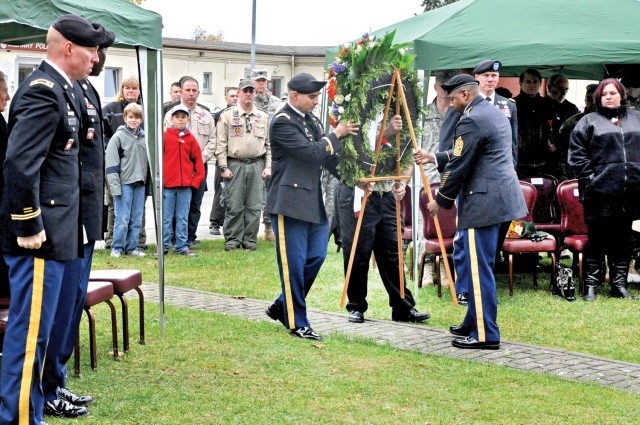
(305,83)
(478,175)
(79,31)
(59,401)
(487,66)
(40,217)
(458,81)
(487,73)
(299,150)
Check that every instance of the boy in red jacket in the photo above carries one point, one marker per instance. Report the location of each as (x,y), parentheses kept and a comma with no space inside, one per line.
(183,169)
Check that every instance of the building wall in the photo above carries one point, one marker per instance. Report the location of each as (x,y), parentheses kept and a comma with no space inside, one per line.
(226,68)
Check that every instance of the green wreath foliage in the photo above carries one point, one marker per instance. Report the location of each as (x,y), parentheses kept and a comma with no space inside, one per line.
(359,87)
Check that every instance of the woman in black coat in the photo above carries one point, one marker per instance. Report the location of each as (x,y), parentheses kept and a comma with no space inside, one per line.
(604,151)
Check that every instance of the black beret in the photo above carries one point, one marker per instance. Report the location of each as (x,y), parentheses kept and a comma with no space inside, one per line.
(79,31)
(305,83)
(108,37)
(488,65)
(459,81)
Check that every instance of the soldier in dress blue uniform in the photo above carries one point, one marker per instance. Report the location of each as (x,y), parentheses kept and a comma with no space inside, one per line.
(479,173)
(299,150)
(40,217)
(59,401)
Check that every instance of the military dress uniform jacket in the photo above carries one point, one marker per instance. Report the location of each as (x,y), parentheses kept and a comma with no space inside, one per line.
(42,169)
(92,159)
(509,109)
(479,171)
(299,150)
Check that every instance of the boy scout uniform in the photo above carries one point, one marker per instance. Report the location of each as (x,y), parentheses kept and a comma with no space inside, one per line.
(243,147)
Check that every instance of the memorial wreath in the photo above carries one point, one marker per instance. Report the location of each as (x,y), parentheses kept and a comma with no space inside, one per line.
(359,82)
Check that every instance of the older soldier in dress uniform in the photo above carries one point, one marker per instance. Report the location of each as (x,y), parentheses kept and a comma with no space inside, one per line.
(244,157)
(479,173)
(300,150)
(59,401)
(268,103)
(40,217)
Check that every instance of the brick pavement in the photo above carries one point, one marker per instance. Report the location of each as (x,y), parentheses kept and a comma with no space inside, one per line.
(424,339)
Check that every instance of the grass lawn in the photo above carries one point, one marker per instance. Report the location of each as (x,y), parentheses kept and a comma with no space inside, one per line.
(216,369)
(606,328)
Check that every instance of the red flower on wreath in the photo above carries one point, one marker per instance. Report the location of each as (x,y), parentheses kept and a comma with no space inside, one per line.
(333,88)
(343,51)
(333,122)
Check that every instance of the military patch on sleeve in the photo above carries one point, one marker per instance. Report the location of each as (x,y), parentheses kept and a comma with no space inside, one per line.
(445,176)
(457,146)
(42,81)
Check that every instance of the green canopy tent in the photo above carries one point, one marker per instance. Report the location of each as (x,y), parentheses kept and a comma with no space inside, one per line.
(27,21)
(583,39)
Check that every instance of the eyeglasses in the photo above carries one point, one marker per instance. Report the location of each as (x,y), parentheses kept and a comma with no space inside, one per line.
(247,123)
(248,90)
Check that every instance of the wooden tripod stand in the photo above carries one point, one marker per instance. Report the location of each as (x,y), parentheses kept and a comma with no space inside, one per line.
(396,84)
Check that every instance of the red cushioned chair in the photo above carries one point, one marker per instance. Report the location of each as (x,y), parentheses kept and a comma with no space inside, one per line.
(447,219)
(545,211)
(97,292)
(572,224)
(527,246)
(4,316)
(124,281)
(407,217)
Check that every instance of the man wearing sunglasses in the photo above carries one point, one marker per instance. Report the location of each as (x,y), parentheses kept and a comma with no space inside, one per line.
(244,158)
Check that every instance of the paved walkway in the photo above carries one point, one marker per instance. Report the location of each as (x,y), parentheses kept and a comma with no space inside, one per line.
(427,340)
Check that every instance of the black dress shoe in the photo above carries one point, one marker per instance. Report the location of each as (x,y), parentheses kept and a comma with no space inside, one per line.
(306,333)
(463,298)
(411,316)
(459,330)
(76,400)
(471,343)
(63,409)
(275,313)
(356,317)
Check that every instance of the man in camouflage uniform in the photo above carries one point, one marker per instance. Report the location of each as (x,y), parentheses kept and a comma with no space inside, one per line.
(432,124)
(269,104)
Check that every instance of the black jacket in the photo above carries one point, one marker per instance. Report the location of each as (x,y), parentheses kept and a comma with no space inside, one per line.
(604,150)
(42,168)
(479,172)
(299,150)
(92,159)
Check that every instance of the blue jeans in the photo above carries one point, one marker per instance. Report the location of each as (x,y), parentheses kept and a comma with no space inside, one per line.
(176,204)
(129,207)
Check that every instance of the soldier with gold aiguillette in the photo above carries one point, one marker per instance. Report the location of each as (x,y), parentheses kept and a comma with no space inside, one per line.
(479,176)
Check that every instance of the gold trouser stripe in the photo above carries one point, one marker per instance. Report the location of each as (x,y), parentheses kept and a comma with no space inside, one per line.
(286,280)
(475,281)
(32,339)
